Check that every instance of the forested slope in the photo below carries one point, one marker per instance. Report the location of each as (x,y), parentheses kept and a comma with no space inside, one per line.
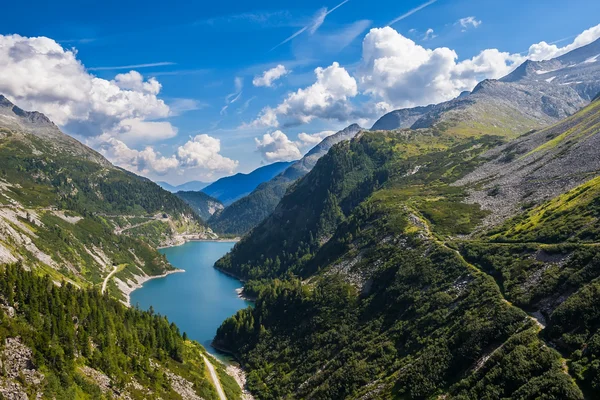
(379,276)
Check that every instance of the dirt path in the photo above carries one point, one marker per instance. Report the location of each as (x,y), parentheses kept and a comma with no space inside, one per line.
(114,271)
(215,378)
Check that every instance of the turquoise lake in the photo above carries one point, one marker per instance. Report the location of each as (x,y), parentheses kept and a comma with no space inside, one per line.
(197,300)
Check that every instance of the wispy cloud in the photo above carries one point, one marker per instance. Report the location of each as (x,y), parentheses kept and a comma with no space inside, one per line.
(315,24)
(78,41)
(262,18)
(245,106)
(411,12)
(234,96)
(181,72)
(468,22)
(132,66)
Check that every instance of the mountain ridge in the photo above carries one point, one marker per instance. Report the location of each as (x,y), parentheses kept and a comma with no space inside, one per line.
(538,93)
(231,188)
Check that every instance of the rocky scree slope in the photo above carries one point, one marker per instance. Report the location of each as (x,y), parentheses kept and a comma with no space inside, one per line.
(537,166)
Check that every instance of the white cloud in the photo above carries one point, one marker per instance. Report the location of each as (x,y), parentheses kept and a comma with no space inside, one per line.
(401,73)
(147,161)
(200,152)
(544,51)
(327,98)
(133,80)
(203,151)
(469,22)
(429,34)
(276,146)
(306,139)
(38,74)
(270,76)
(135,131)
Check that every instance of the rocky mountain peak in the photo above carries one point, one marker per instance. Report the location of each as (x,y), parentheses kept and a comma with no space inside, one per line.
(29,117)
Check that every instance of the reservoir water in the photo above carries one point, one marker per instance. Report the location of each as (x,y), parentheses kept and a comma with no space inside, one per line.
(199,299)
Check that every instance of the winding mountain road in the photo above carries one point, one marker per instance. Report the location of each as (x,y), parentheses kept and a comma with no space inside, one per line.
(215,378)
(114,271)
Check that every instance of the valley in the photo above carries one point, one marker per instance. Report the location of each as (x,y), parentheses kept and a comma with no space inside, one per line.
(452,251)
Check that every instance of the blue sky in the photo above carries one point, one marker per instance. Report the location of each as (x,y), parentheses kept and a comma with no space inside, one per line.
(200,106)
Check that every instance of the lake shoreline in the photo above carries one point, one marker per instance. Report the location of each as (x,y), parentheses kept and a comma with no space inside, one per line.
(183,240)
(140,280)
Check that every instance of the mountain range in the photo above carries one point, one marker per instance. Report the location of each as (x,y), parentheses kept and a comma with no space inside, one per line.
(185,187)
(452,256)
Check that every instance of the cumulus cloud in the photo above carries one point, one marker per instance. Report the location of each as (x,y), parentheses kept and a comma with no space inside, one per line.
(270,76)
(469,22)
(276,146)
(135,131)
(327,98)
(306,139)
(544,51)
(133,80)
(204,151)
(146,161)
(37,73)
(201,151)
(401,73)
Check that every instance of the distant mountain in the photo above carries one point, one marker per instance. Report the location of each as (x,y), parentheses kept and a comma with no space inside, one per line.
(243,215)
(188,186)
(535,94)
(229,189)
(202,203)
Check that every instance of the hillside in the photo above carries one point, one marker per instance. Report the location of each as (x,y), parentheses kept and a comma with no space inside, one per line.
(231,188)
(534,95)
(380,276)
(204,205)
(67,211)
(246,213)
